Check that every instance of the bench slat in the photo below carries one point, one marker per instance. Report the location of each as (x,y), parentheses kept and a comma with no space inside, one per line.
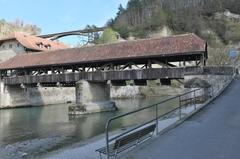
(134,136)
(129,140)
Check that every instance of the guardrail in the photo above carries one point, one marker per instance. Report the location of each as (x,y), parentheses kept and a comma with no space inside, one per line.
(157,117)
(193,97)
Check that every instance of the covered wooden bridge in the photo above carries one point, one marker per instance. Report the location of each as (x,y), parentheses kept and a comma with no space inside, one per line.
(131,60)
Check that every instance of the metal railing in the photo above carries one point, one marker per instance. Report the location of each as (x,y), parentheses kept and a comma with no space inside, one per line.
(194,98)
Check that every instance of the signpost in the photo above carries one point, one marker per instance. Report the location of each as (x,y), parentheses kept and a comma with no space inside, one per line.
(233,54)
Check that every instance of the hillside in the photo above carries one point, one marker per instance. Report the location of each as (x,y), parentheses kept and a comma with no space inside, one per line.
(216,21)
(17,26)
(205,18)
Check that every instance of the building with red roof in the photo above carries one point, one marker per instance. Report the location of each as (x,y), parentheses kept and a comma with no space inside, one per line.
(20,43)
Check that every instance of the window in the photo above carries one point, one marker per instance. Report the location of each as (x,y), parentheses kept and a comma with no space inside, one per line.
(40,44)
(10,46)
(18,45)
(3,46)
(48,47)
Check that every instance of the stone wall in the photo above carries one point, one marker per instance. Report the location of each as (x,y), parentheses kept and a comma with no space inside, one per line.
(11,96)
(144,91)
(118,92)
(16,96)
(214,80)
(92,97)
(217,82)
(50,95)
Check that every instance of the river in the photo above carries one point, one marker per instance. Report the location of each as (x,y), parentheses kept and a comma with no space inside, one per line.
(32,131)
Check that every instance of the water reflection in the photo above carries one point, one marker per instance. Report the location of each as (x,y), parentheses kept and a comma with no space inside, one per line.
(17,125)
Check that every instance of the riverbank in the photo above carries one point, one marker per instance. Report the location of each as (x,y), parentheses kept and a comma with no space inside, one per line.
(87,151)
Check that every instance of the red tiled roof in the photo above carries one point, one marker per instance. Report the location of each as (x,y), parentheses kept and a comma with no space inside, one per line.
(186,44)
(34,42)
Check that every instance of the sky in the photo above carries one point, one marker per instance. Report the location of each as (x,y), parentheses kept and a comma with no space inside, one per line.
(60,15)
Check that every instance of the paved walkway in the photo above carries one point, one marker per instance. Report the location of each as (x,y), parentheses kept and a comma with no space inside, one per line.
(213,133)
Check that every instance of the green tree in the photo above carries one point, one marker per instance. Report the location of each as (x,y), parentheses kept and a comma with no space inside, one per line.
(159,18)
(121,10)
(108,36)
(123,31)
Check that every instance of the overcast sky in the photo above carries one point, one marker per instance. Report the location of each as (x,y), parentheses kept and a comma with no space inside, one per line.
(60,15)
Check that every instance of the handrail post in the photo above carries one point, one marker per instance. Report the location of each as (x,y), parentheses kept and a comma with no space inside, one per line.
(194,96)
(107,144)
(156,119)
(212,91)
(180,108)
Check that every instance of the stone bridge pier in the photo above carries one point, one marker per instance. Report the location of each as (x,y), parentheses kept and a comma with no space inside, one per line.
(92,97)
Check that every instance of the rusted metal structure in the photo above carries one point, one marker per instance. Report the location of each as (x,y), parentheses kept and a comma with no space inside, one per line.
(136,60)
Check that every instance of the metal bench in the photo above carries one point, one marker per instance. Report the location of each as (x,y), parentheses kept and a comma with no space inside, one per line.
(128,141)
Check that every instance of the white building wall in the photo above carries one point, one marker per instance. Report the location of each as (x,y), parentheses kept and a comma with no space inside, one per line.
(12,45)
(10,49)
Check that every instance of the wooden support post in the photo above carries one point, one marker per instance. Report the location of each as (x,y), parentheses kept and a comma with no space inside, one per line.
(202,60)
(166,62)
(149,64)
(130,66)
(111,66)
(73,69)
(52,70)
(83,69)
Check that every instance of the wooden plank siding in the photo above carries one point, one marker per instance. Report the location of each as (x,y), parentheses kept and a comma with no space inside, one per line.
(144,74)
(171,73)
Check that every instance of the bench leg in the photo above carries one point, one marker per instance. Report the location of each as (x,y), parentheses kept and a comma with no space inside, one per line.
(100,155)
(115,156)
